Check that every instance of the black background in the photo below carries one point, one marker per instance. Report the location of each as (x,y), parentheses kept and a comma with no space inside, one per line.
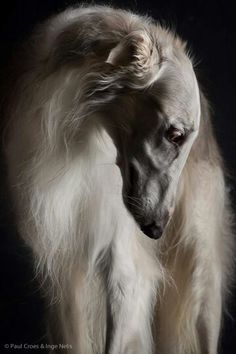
(209,27)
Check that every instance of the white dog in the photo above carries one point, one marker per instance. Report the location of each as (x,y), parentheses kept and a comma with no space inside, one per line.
(109,146)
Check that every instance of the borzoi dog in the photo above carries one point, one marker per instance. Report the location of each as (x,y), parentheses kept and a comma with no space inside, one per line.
(118,185)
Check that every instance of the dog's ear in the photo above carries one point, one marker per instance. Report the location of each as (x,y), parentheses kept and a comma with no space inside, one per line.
(137,51)
(138,46)
(125,51)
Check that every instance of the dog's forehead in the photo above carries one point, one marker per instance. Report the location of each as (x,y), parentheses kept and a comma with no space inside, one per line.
(178,92)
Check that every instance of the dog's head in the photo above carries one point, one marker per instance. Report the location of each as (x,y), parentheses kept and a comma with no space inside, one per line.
(150,100)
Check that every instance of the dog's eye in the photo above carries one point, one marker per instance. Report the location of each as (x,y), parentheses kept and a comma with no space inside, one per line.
(175,135)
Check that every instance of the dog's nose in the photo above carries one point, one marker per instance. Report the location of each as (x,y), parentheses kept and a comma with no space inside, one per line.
(152,230)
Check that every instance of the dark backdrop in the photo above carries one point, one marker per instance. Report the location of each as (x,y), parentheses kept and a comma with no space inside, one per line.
(209,28)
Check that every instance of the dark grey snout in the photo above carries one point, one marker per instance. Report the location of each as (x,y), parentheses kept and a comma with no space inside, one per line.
(152,230)
(151,213)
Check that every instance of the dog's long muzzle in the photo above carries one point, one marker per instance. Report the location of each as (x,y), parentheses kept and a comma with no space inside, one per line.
(152,226)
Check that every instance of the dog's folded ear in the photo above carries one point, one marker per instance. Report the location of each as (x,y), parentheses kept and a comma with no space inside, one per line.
(121,54)
(139,52)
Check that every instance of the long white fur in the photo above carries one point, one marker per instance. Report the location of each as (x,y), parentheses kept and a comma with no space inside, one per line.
(106,282)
